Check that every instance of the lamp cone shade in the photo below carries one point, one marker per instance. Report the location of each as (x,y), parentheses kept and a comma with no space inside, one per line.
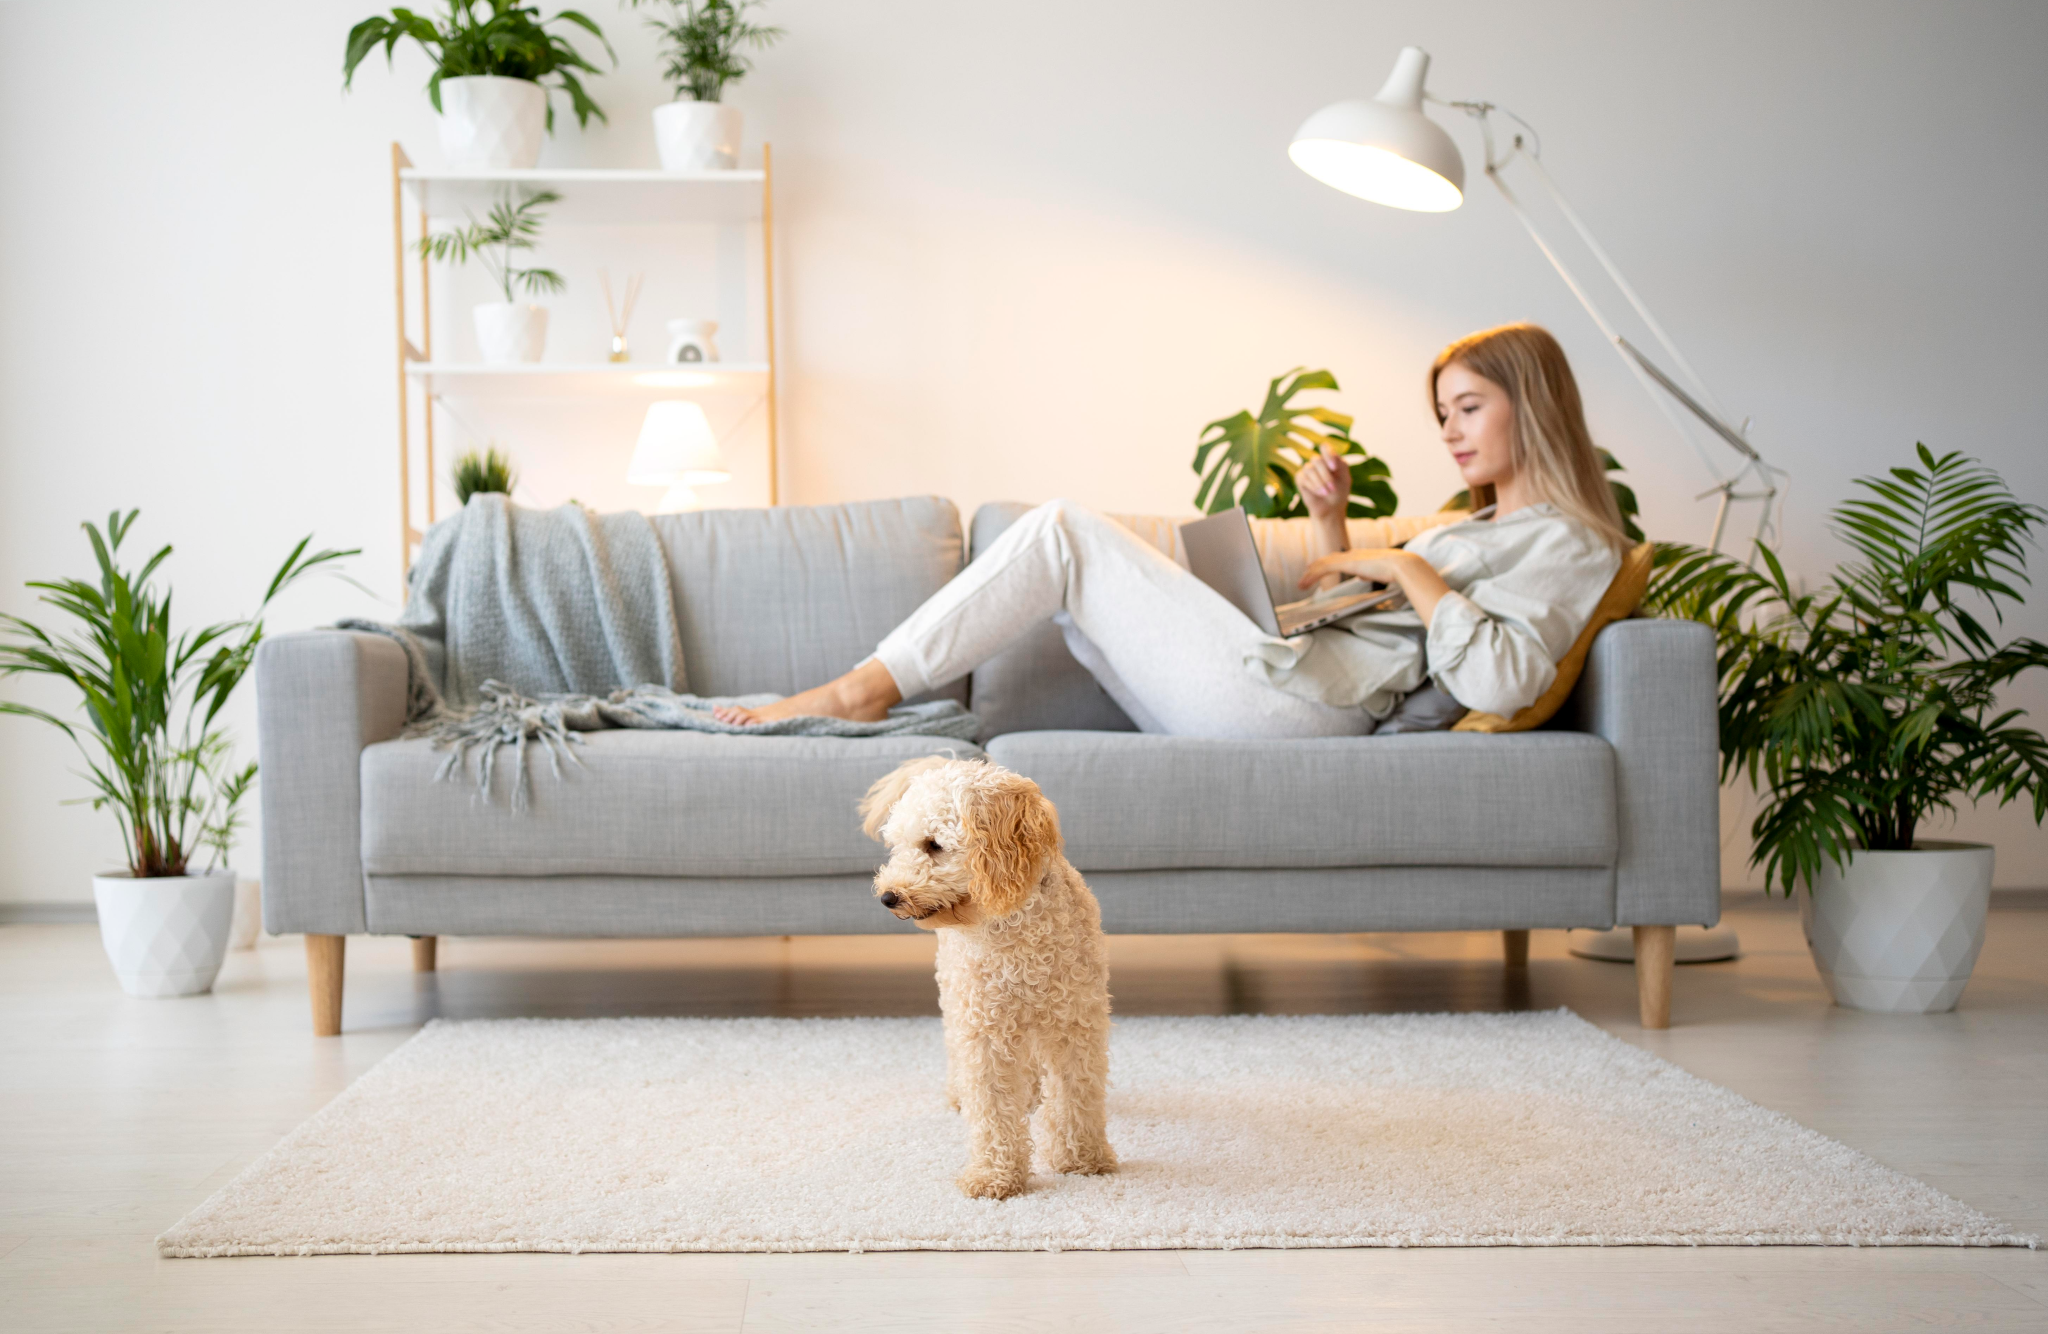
(1385,150)
(676,448)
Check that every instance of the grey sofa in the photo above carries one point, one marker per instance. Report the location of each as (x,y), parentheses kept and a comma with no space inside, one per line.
(1607,816)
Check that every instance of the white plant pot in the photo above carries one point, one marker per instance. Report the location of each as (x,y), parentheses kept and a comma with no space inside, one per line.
(1899,931)
(165,936)
(697,136)
(489,122)
(511,331)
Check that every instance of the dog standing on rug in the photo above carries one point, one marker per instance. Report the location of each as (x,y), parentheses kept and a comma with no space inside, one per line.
(974,854)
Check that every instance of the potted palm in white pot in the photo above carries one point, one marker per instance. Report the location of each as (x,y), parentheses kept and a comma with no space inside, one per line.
(702,41)
(510,330)
(155,755)
(1860,709)
(492,76)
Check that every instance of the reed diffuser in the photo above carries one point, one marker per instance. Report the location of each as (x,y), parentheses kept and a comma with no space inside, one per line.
(620,312)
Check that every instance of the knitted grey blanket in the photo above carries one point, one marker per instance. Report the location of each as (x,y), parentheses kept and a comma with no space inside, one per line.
(524,627)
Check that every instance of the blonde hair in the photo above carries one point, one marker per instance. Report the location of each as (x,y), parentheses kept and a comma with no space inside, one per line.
(1551,448)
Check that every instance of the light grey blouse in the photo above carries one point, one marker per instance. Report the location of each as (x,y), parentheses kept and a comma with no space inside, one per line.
(1522,588)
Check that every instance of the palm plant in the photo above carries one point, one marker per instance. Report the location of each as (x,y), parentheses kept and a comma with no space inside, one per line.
(481,473)
(702,41)
(509,227)
(1252,460)
(151,696)
(512,42)
(1859,709)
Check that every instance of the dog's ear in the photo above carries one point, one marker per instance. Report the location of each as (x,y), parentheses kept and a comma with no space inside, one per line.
(1012,832)
(888,790)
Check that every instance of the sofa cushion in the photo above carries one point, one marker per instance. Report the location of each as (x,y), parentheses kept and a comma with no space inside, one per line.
(1131,801)
(640,803)
(782,599)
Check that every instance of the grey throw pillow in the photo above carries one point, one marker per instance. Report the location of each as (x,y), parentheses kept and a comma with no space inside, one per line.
(1426,710)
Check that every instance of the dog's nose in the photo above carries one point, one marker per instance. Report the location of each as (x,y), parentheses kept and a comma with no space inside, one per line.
(891,899)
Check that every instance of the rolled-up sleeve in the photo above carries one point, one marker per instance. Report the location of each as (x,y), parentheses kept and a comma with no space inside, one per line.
(1494,646)
(1485,663)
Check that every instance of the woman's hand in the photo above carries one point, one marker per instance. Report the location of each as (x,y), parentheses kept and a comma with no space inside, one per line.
(1325,485)
(1417,578)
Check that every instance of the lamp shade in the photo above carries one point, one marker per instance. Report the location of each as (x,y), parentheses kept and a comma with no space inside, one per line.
(1385,150)
(676,448)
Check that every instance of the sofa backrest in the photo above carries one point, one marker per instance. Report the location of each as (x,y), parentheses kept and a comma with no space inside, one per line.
(785,598)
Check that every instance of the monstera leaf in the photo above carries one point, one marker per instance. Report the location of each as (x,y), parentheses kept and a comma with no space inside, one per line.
(1251,460)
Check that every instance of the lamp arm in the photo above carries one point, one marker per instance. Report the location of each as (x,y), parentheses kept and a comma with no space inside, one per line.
(1646,372)
(1650,386)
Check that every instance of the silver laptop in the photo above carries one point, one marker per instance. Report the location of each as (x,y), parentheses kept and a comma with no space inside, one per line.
(1222,555)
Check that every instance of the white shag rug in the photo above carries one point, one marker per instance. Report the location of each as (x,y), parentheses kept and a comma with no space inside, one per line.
(833,1134)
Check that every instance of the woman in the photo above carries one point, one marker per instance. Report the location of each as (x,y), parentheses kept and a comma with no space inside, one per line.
(1493,601)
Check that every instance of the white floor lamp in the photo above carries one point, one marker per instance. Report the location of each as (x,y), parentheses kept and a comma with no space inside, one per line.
(1388,151)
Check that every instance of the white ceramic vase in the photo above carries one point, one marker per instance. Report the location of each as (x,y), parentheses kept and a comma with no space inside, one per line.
(697,136)
(1899,931)
(510,331)
(167,935)
(489,122)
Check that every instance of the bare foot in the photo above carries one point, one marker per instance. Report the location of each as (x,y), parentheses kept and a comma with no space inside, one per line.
(863,695)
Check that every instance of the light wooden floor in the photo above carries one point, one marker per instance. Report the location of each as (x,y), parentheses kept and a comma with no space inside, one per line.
(118,1115)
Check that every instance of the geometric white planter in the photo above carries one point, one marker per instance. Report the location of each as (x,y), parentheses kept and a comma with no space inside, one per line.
(489,122)
(165,936)
(697,136)
(510,331)
(1899,932)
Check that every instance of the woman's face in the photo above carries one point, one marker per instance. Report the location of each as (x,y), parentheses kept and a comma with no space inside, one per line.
(1478,425)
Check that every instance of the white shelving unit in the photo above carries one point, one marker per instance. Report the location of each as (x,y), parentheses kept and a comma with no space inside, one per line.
(589,197)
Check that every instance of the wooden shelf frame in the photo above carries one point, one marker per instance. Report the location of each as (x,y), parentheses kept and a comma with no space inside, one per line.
(589,196)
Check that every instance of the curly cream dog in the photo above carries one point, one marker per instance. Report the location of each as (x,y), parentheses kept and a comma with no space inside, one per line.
(974,854)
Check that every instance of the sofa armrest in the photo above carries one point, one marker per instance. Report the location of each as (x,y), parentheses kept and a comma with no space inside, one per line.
(321,696)
(1650,688)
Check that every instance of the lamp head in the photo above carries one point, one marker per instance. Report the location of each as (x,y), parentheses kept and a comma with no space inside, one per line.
(676,448)
(1385,150)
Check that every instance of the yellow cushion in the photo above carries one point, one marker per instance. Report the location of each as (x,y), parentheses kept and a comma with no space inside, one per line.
(1619,602)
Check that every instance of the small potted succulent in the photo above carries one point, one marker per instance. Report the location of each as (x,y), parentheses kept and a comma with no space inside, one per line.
(511,330)
(702,41)
(492,76)
(483,472)
(155,754)
(1861,709)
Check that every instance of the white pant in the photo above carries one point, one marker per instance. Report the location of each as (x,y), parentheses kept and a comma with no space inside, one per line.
(1168,648)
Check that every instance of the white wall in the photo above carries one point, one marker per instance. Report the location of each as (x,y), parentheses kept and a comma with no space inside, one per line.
(1028,251)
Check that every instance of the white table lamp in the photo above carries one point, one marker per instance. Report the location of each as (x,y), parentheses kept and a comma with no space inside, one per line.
(1388,151)
(677,450)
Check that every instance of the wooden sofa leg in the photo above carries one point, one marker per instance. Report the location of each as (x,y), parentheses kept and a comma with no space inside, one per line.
(323,982)
(1515,947)
(1653,974)
(423,948)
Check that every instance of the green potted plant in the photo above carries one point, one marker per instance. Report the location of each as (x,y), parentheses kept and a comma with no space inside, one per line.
(510,330)
(481,473)
(492,75)
(702,42)
(1859,709)
(1251,460)
(155,754)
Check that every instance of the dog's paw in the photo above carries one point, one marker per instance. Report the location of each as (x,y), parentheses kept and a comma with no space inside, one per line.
(1099,1160)
(987,1183)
